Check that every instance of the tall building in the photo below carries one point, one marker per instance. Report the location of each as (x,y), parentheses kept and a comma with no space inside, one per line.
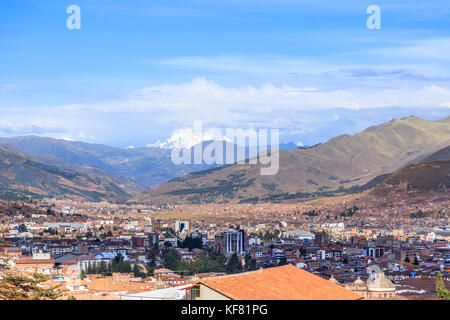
(152,239)
(231,242)
(182,226)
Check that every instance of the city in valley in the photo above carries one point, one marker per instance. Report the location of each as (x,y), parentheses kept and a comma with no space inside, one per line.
(248,151)
(104,251)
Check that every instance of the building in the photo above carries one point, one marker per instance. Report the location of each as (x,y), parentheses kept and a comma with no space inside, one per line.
(172,293)
(173,242)
(278,283)
(26,264)
(182,226)
(298,235)
(230,242)
(374,252)
(138,241)
(377,286)
(153,239)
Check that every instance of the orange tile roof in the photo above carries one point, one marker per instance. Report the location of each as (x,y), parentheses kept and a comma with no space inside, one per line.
(279,283)
(35,261)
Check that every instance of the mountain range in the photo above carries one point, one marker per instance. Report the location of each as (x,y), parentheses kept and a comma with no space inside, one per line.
(342,163)
(136,169)
(22,178)
(36,167)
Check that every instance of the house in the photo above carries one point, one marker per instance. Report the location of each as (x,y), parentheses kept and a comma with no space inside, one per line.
(278,283)
(26,264)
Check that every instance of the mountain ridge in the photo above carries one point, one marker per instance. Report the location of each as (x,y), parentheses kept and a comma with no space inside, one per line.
(342,162)
(22,178)
(145,166)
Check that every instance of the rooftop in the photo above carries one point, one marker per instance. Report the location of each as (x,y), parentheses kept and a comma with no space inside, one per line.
(279,283)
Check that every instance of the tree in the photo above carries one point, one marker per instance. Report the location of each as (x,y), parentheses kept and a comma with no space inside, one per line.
(22,228)
(24,286)
(137,271)
(27,287)
(191,243)
(150,269)
(205,261)
(441,290)
(234,265)
(82,275)
(283,261)
(118,264)
(171,258)
(103,268)
(152,255)
(89,269)
(118,258)
(250,264)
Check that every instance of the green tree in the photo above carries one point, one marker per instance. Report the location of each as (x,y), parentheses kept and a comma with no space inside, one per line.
(441,290)
(137,271)
(205,261)
(171,259)
(282,262)
(234,265)
(150,269)
(92,267)
(191,243)
(82,275)
(103,268)
(15,286)
(250,263)
(118,264)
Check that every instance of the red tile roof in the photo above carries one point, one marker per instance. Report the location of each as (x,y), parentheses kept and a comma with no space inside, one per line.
(279,283)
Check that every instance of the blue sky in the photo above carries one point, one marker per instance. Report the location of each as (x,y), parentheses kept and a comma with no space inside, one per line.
(138,70)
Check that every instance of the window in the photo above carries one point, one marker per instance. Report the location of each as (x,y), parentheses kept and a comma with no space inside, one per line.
(193,293)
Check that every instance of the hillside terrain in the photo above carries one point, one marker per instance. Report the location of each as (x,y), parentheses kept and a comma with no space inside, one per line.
(24,178)
(340,164)
(141,168)
(427,176)
(127,184)
(432,174)
(440,155)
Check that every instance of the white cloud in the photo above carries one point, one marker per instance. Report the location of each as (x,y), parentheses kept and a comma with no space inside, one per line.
(210,99)
(267,106)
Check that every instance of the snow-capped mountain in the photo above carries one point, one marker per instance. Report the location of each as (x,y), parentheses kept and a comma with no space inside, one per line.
(185,138)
